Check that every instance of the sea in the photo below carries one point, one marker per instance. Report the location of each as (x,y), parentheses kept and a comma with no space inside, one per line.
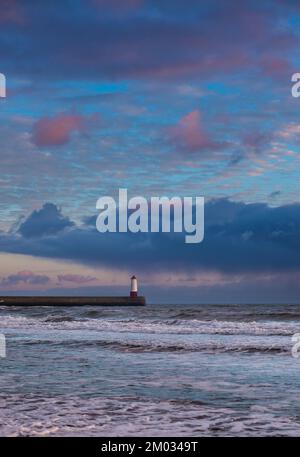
(158,370)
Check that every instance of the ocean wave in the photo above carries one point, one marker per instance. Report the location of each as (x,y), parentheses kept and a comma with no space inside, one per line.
(139,346)
(148,326)
(37,415)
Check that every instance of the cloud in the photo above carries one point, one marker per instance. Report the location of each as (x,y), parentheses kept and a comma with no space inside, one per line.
(190,135)
(276,67)
(25,277)
(290,132)
(11,12)
(152,40)
(44,222)
(275,194)
(74,278)
(256,141)
(117,5)
(57,130)
(239,238)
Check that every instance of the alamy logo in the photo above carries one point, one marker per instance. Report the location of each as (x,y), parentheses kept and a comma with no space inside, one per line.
(2,86)
(159,214)
(296,347)
(2,345)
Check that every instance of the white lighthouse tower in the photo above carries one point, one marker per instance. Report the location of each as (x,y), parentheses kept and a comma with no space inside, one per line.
(134,287)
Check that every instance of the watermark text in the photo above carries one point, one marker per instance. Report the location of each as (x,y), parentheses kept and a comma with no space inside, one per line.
(2,345)
(159,214)
(2,85)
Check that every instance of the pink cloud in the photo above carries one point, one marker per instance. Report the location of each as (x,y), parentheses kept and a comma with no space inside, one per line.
(78,279)
(180,69)
(118,4)
(57,130)
(25,277)
(190,134)
(276,67)
(11,11)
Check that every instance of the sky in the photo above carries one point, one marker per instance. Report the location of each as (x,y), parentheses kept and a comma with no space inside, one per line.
(163,98)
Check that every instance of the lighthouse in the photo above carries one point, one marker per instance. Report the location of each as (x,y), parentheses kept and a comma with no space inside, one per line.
(134,287)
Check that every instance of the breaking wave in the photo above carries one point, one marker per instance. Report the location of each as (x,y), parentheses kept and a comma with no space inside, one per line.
(154,326)
(158,346)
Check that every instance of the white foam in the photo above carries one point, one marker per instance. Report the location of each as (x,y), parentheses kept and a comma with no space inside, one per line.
(155,326)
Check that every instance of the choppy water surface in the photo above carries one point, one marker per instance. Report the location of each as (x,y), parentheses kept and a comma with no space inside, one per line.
(182,370)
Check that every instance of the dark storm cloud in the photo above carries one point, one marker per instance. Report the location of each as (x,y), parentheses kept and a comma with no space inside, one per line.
(142,39)
(46,221)
(239,238)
